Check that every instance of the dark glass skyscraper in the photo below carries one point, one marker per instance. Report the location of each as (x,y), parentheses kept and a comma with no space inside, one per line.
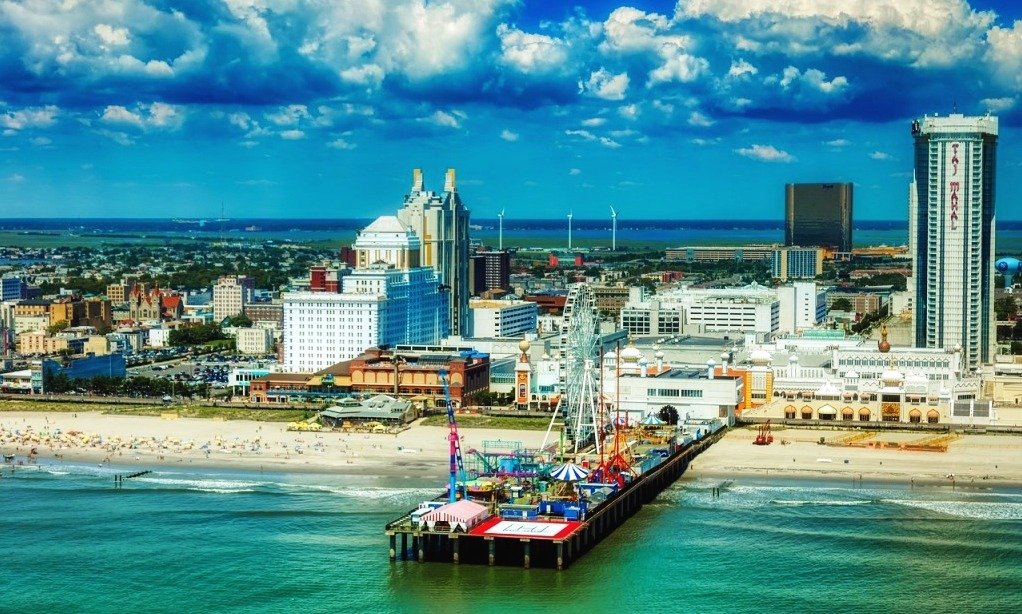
(818,215)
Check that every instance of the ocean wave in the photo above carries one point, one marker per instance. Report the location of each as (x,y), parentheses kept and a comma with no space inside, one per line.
(973,510)
(211,485)
(826,502)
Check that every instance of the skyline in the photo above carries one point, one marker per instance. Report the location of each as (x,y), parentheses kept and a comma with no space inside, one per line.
(662,111)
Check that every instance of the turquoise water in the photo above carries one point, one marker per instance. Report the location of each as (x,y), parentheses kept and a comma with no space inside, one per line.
(228,541)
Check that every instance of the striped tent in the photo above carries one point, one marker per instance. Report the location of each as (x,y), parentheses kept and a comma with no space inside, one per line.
(652,420)
(569,472)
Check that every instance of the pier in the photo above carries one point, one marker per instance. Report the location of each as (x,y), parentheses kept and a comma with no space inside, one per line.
(536,542)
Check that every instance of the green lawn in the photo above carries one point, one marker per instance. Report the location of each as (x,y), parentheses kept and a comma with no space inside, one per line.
(186,411)
(491,422)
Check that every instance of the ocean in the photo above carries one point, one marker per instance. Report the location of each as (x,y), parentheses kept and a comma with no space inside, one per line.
(541,233)
(227,541)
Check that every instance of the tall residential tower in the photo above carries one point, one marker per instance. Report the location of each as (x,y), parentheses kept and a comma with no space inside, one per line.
(953,227)
(441,223)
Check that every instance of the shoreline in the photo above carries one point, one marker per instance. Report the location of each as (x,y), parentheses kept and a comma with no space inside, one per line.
(152,441)
(422,452)
(971,461)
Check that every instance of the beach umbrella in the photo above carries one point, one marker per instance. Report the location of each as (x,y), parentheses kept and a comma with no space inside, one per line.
(652,420)
(569,472)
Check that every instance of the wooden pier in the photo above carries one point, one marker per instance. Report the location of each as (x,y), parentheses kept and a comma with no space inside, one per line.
(507,542)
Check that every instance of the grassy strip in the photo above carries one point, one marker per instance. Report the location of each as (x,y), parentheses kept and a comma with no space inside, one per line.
(491,422)
(188,411)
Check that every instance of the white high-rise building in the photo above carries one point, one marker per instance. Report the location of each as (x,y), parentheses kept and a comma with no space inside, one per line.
(953,224)
(802,305)
(382,303)
(441,223)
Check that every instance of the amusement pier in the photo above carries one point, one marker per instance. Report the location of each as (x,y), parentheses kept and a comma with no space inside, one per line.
(566,511)
(546,507)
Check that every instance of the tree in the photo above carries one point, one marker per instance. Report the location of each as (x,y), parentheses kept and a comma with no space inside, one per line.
(238,321)
(57,326)
(1006,308)
(841,304)
(668,414)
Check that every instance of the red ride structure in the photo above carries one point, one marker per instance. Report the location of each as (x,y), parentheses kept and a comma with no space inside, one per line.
(457,461)
(763,437)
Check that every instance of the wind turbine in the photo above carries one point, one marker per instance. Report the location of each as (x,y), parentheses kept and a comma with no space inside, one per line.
(500,235)
(613,229)
(569,230)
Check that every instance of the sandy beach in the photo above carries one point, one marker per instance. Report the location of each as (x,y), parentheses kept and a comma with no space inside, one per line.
(144,441)
(797,453)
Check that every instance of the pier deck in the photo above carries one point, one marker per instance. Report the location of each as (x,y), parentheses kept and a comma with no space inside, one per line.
(539,542)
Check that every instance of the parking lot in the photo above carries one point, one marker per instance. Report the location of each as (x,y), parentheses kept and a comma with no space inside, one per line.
(212,369)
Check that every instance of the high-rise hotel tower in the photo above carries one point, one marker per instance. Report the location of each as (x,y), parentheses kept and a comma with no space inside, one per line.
(952,220)
(441,222)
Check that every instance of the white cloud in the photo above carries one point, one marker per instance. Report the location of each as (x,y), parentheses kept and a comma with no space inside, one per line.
(159,115)
(628,111)
(531,53)
(447,120)
(741,68)
(603,84)
(999,105)
(678,67)
(41,141)
(112,36)
(116,114)
(585,135)
(699,120)
(509,136)
(14,178)
(371,75)
(836,143)
(766,153)
(594,122)
(289,115)
(340,143)
(879,155)
(292,135)
(574,171)
(30,117)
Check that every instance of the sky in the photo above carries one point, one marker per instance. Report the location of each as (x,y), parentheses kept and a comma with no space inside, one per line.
(699,109)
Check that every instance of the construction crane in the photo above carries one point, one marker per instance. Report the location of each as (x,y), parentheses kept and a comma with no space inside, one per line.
(457,461)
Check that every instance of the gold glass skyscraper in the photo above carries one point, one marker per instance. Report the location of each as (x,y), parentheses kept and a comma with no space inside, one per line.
(818,215)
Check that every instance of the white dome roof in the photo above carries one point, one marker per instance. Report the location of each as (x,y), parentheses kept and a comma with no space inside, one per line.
(892,377)
(610,354)
(828,389)
(631,354)
(852,375)
(760,357)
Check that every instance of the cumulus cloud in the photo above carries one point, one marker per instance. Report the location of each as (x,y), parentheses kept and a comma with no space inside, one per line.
(606,85)
(879,155)
(157,115)
(29,117)
(699,120)
(340,143)
(509,136)
(531,53)
(292,135)
(836,143)
(574,171)
(765,153)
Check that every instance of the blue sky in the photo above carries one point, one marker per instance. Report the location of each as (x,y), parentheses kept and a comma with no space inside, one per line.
(321,108)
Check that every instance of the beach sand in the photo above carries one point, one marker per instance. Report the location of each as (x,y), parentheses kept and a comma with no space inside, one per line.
(422,451)
(971,459)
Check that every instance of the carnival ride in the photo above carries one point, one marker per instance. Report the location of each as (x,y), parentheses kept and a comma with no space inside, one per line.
(457,467)
(763,437)
(580,406)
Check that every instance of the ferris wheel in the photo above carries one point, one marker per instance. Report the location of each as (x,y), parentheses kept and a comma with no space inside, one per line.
(579,406)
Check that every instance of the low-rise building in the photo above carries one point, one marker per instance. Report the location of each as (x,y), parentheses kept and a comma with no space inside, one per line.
(796,263)
(507,318)
(40,344)
(253,340)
